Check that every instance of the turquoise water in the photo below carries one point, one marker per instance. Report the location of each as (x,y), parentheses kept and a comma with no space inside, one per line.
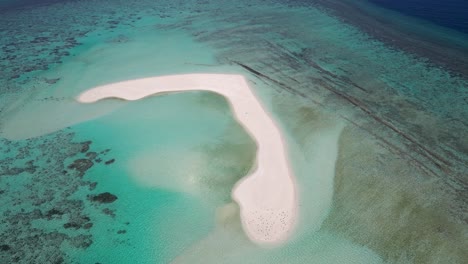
(376,135)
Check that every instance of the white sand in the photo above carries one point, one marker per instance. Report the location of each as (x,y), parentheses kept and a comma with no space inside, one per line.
(266,197)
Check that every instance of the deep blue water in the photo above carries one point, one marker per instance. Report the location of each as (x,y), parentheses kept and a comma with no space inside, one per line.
(448,13)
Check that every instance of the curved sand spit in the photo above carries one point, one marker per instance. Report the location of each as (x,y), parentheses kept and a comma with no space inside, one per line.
(267,197)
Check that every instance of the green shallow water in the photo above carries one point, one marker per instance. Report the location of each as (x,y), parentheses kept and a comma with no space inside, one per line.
(375,135)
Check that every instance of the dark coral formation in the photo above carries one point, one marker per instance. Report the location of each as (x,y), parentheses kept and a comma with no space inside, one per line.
(28,167)
(81,241)
(109,212)
(5,247)
(105,197)
(78,223)
(85,146)
(53,213)
(109,161)
(39,184)
(91,155)
(81,165)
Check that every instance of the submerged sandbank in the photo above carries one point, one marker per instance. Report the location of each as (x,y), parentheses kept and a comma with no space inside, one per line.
(267,196)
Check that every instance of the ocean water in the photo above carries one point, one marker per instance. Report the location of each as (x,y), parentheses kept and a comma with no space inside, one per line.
(451,14)
(371,98)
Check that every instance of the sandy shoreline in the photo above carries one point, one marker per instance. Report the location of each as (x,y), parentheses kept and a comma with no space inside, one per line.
(267,196)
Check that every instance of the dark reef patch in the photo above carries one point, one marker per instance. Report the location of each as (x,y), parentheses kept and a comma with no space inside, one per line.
(92,186)
(78,223)
(5,247)
(81,241)
(85,147)
(11,171)
(109,161)
(81,165)
(52,81)
(109,212)
(105,197)
(91,155)
(105,151)
(53,213)
(72,225)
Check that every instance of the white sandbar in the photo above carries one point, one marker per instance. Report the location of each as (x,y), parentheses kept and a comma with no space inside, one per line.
(267,197)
